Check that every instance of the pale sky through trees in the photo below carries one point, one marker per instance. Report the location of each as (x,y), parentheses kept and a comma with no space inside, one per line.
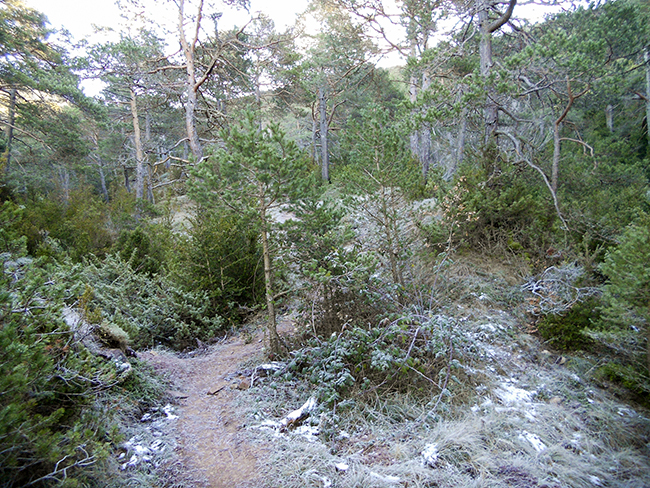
(79,16)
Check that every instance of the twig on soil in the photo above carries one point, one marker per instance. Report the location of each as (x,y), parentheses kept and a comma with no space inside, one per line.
(216,391)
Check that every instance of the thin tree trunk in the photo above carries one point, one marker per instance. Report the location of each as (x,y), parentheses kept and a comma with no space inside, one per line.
(127,182)
(148,168)
(274,339)
(10,127)
(460,154)
(557,125)
(102,180)
(191,100)
(646,58)
(413,97)
(325,160)
(139,154)
(555,168)
(314,144)
(487,28)
(393,243)
(648,346)
(64,176)
(490,113)
(609,118)
(147,128)
(150,195)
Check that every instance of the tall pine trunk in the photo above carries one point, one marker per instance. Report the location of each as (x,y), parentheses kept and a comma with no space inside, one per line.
(139,153)
(191,99)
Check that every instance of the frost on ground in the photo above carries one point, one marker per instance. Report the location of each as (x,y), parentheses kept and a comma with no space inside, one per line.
(515,417)
(521,420)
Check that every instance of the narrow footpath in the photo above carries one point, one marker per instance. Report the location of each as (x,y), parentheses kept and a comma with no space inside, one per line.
(211,446)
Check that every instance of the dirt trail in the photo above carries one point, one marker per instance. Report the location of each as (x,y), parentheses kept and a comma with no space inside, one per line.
(212,447)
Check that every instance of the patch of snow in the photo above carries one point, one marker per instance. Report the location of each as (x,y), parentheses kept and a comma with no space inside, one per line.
(341,467)
(299,414)
(486,403)
(511,395)
(626,412)
(489,327)
(309,432)
(342,435)
(534,440)
(168,410)
(531,415)
(430,455)
(595,480)
(71,317)
(385,479)
(131,462)
(142,450)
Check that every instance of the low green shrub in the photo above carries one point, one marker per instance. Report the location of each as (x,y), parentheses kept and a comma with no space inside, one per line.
(220,258)
(11,219)
(505,211)
(566,330)
(632,378)
(151,310)
(135,246)
(55,425)
(627,291)
(78,225)
(407,353)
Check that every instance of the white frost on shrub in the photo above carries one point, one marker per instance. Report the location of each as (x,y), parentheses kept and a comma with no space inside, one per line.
(511,395)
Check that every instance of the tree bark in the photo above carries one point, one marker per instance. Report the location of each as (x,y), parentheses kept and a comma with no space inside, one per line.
(191,99)
(490,113)
(102,180)
(10,127)
(609,118)
(274,339)
(325,160)
(487,28)
(557,125)
(646,59)
(460,154)
(139,154)
(555,167)
(314,131)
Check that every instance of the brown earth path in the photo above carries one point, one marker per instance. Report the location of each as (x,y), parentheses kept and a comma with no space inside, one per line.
(212,448)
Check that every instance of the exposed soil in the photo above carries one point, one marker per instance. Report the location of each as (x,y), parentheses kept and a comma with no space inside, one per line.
(211,446)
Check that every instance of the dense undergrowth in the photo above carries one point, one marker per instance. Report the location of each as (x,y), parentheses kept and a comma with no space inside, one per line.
(390,279)
(381,286)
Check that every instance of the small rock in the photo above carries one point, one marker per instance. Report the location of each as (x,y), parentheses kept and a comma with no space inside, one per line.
(244,384)
(176,394)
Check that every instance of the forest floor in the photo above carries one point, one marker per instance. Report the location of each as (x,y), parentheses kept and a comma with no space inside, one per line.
(211,450)
(520,416)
